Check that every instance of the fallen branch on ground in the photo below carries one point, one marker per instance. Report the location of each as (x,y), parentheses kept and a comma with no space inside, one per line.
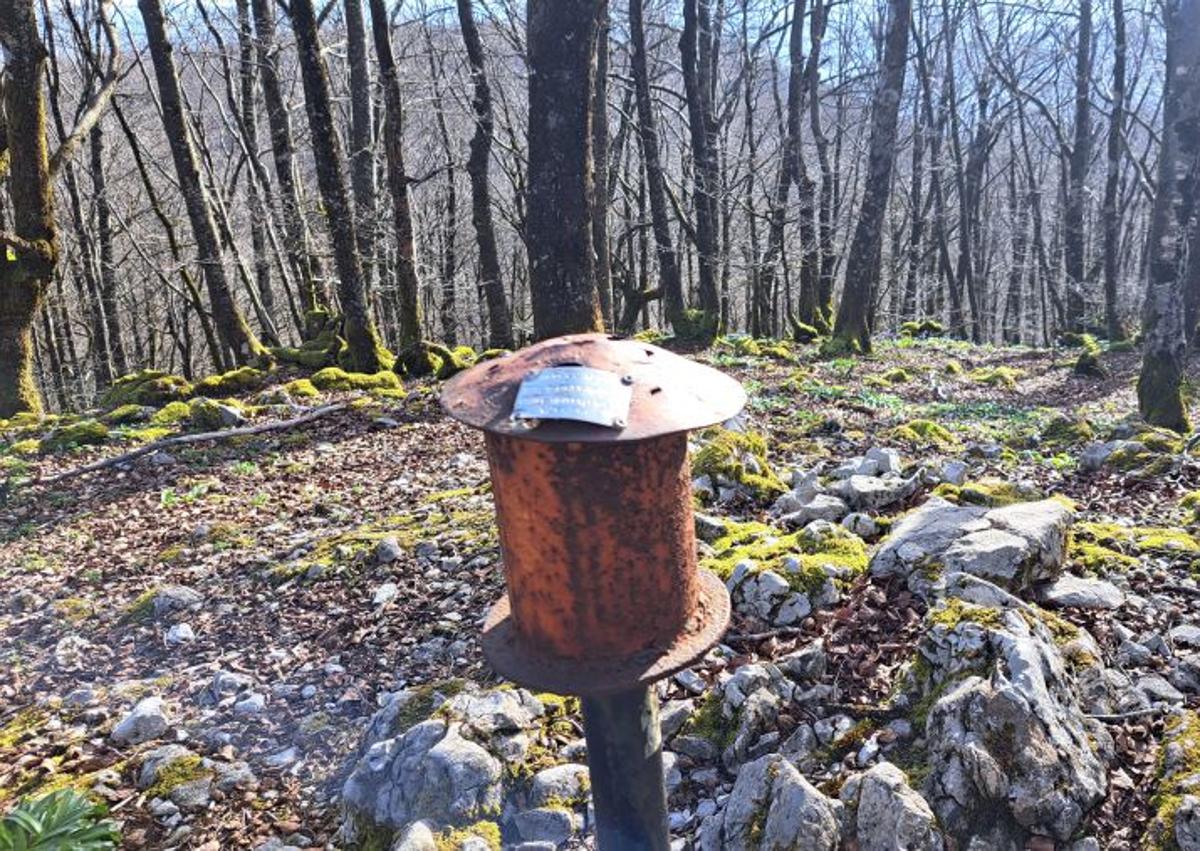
(182,439)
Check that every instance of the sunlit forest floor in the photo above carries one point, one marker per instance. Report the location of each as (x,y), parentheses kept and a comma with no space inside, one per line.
(286,539)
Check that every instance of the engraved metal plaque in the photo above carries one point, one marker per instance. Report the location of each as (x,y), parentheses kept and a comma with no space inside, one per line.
(577,393)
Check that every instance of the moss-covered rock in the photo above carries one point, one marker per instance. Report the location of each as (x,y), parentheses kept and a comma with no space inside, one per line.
(1088,362)
(890,378)
(1063,431)
(171,414)
(302,388)
(209,415)
(322,342)
(739,460)
(235,382)
(993,493)
(1178,777)
(149,387)
(806,559)
(1191,504)
(922,328)
(925,434)
(952,367)
(997,376)
(492,354)
(126,414)
(81,433)
(336,378)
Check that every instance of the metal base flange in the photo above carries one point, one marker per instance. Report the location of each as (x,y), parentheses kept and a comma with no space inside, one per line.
(533,667)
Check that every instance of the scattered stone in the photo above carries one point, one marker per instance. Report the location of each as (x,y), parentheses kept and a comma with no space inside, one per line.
(147,721)
(1010,754)
(430,772)
(418,836)
(821,507)
(691,681)
(772,806)
(545,824)
(175,598)
(385,593)
(1187,635)
(179,634)
(888,814)
(863,525)
(387,551)
(567,782)
(872,493)
(250,705)
(1158,689)
(1069,591)
(954,473)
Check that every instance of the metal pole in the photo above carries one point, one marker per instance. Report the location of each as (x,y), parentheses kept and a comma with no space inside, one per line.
(624,744)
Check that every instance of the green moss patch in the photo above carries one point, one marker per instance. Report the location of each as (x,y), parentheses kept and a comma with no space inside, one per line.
(1063,432)
(925,434)
(242,380)
(997,376)
(922,328)
(177,772)
(1178,774)
(992,493)
(336,378)
(82,433)
(1088,362)
(451,840)
(302,388)
(737,457)
(954,611)
(805,558)
(149,387)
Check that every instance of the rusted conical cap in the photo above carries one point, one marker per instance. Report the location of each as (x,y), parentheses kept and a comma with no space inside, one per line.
(591,388)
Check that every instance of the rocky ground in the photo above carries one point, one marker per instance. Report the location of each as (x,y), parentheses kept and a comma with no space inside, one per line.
(965,617)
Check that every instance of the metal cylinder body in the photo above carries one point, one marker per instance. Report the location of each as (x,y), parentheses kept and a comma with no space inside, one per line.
(598,542)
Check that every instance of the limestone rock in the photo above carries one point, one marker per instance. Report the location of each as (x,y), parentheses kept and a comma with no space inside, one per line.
(889,814)
(871,493)
(428,772)
(1010,753)
(147,721)
(1016,545)
(1069,591)
(772,806)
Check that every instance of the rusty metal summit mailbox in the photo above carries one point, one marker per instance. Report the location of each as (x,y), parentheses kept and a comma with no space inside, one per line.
(587,445)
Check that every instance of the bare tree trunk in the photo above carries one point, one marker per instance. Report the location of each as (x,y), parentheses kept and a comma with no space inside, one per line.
(668,261)
(600,161)
(561,38)
(852,331)
(249,129)
(1112,180)
(307,269)
(235,333)
(104,236)
(696,52)
(362,154)
(408,305)
(367,353)
(1173,223)
(500,334)
(1074,239)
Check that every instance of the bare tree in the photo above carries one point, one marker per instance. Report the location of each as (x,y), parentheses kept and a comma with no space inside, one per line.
(31,249)
(1173,224)
(367,353)
(408,306)
(851,331)
(562,62)
(499,322)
